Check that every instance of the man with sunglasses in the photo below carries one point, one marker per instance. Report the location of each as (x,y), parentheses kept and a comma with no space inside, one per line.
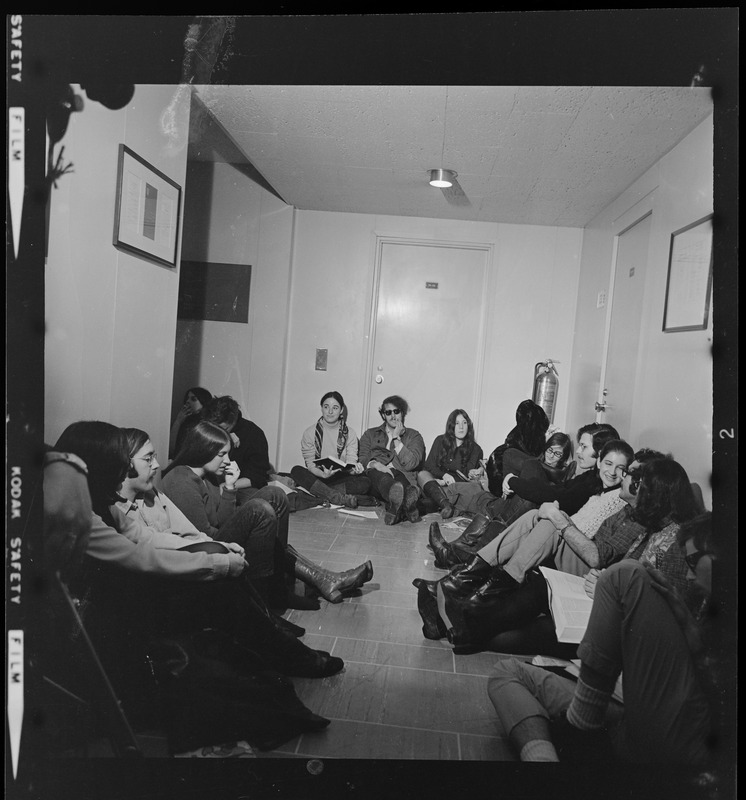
(392,456)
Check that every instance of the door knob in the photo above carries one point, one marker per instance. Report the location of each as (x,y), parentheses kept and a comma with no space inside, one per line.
(379,378)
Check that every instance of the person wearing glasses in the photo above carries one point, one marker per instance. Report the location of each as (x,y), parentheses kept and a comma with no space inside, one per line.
(557,457)
(658,636)
(392,455)
(525,493)
(141,501)
(658,497)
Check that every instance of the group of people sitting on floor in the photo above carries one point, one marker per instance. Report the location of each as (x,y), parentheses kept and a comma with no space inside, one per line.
(203,562)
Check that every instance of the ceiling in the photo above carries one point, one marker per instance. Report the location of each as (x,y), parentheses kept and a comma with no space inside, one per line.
(530,155)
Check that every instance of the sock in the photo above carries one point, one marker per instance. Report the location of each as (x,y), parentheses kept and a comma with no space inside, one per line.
(538,750)
(587,709)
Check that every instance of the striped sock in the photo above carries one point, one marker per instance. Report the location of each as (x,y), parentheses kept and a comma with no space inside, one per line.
(587,709)
(538,750)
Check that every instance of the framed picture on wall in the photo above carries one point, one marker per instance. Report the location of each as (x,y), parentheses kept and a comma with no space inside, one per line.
(689,282)
(148,208)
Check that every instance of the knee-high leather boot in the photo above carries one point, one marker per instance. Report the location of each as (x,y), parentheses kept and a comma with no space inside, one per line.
(460,551)
(464,581)
(394,492)
(335,497)
(330,585)
(435,492)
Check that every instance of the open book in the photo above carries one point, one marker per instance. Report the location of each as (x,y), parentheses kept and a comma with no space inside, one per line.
(330,462)
(570,605)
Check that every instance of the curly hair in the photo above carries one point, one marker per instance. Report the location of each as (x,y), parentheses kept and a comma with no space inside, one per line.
(450,445)
(222,410)
(399,402)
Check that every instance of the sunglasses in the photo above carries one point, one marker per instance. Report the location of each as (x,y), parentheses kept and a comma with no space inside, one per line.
(390,411)
(692,559)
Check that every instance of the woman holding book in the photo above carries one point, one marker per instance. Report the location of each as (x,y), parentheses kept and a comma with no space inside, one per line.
(453,458)
(332,470)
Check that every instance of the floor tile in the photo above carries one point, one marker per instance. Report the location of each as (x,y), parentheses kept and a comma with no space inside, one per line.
(348,739)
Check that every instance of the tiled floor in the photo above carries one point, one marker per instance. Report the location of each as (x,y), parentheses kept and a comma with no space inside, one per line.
(400,696)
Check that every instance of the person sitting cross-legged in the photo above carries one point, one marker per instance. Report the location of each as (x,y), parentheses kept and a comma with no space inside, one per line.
(332,436)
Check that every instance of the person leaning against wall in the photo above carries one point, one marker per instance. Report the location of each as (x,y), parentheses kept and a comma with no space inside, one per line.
(332,436)
(392,454)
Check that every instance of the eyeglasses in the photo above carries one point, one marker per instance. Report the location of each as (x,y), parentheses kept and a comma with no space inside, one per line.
(148,459)
(389,411)
(552,452)
(692,559)
(634,473)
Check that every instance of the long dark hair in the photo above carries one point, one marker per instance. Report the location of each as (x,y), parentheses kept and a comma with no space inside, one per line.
(201,394)
(558,439)
(664,494)
(103,447)
(529,434)
(450,445)
(201,444)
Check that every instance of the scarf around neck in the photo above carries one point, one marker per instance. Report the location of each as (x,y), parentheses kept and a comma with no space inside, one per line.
(341,437)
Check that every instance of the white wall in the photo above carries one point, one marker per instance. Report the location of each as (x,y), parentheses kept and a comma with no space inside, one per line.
(533,285)
(110,315)
(231,220)
(673,405)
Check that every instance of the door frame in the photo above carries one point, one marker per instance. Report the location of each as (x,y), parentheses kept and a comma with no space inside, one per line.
(624,222)
(381,241)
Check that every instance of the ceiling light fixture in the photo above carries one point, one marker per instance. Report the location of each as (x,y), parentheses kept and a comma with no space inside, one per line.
(442,178)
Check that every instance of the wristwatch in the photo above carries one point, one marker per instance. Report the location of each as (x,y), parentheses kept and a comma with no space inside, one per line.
(74,461)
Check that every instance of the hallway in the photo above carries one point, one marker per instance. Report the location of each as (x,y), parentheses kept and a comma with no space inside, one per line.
(400,696)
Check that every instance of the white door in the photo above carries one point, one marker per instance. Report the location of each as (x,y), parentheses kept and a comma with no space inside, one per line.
(427,331)
(619,371)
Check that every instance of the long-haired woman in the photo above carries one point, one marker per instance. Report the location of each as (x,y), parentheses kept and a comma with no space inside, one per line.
(138,583)
(201,480)
(195,399)
(453,458)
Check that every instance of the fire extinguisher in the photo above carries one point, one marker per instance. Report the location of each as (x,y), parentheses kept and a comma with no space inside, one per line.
(546,386)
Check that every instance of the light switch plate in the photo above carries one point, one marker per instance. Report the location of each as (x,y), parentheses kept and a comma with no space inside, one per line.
(321,356)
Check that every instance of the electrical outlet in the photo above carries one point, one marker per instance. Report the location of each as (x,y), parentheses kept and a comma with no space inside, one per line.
(601,300)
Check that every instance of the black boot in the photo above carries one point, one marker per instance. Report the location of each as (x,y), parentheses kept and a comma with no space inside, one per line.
(445,556)
(435,492)
(411,496)
(472,534)
(395,504)
(330,585)
(464,581)
(335,497)
(433,626)
(499,582)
